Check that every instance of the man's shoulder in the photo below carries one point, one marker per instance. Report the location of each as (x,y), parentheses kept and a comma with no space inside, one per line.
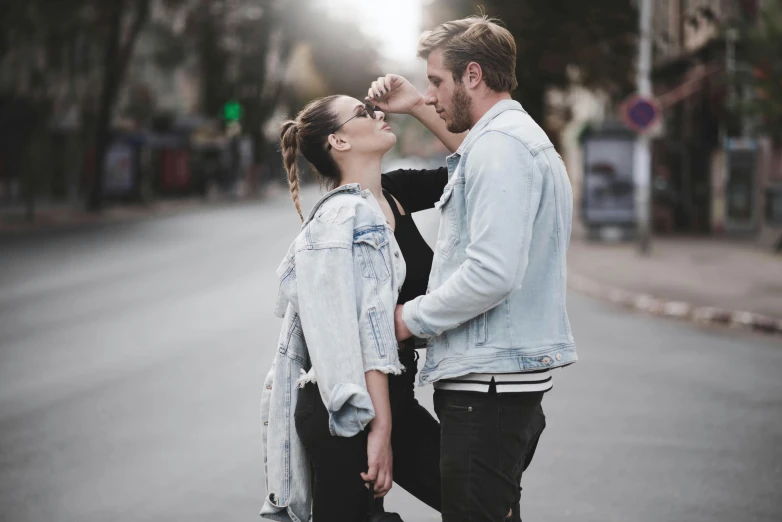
(515,126)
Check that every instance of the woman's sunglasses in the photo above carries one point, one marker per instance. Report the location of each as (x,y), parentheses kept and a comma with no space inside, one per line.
(368,110)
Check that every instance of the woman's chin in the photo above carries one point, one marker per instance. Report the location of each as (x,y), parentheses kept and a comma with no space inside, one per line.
(387,143)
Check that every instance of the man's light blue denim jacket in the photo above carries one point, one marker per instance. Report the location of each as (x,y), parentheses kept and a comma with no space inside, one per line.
(339,283)
(496,297)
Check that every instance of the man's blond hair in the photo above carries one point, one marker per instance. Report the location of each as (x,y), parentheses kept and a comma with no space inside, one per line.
(478,39)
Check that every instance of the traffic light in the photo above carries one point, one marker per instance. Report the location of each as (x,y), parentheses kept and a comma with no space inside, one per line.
(232,111)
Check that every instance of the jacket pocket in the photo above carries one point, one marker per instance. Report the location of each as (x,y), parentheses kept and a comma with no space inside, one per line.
(448,235)
(379,333)
(481,329)
(371,246)
(292,343)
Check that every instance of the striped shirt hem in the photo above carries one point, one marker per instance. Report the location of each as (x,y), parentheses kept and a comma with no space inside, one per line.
(535,381)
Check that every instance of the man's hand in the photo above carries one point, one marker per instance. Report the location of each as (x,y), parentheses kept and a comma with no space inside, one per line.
(395,95)
(402,332)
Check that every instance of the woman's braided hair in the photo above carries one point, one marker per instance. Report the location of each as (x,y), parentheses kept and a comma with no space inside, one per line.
(309,134)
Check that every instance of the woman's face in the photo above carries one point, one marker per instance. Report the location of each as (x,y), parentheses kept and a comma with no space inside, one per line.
(363,134)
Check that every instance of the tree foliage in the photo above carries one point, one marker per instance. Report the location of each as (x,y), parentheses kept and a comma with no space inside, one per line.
(597,36)
(760,40)
(344,56)
(57,54)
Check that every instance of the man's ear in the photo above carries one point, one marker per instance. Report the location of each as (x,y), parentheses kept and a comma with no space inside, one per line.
(473,75)
(338,143)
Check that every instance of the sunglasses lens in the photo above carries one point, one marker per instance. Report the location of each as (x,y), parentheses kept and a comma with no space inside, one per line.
(370,110)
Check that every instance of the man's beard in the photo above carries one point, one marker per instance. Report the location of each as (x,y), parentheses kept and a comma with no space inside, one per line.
(461,110)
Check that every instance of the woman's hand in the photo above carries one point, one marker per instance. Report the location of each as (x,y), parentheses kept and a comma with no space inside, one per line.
(395,95)
(380,461)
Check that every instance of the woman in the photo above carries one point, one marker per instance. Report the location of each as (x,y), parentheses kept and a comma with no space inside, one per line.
(331,431)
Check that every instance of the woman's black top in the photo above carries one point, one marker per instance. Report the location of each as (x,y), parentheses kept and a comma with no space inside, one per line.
(415,190)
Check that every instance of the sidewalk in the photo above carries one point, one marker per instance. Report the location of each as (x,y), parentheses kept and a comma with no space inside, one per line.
(708,280)
(13,221)
(63,215)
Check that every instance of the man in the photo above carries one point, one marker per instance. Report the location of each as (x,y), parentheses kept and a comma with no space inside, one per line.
(495,310)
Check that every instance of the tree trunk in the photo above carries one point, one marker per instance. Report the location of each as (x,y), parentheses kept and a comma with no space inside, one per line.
(114,66)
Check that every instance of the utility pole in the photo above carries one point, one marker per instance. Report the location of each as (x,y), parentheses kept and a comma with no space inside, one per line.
(642,159)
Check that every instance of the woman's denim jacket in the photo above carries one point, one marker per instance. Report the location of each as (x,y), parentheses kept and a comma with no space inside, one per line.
(339,284)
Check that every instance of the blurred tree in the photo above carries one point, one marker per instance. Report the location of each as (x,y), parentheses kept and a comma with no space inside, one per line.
(141,103)
(42,68)
(267,36)
(122,23)
(761,49)
(244,48)
(77,51)
(598,37)
(342,54)
(59,54)
(206,28)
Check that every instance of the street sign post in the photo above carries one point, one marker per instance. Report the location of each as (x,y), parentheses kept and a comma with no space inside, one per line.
(640,113)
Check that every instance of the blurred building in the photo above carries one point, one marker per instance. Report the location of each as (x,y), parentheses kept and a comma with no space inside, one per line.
(712,171)
(715,171)
(192,58)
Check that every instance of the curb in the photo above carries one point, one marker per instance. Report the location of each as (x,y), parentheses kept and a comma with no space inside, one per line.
(675,309)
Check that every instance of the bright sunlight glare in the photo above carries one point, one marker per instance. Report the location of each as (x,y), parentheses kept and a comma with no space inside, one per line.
(395,24)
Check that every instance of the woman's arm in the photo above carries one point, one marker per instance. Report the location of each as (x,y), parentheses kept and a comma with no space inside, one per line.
(395,95)
(348,363)
(327,309)
(379,455)
(416,190)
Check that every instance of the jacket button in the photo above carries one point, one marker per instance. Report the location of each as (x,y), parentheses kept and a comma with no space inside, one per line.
(266,423)
(546,360)
(559,356)
(396,254)
(268,387)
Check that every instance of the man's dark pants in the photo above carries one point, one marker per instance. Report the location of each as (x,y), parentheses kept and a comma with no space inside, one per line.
(487,441)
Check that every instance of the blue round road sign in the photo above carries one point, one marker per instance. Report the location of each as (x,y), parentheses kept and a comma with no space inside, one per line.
(640,113)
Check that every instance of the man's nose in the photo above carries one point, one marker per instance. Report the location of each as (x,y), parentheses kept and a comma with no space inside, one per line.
(429,97)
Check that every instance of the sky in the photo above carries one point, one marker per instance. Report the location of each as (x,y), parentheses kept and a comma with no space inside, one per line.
(395,24)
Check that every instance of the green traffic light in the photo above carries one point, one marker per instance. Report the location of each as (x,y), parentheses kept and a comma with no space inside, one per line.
(232,111)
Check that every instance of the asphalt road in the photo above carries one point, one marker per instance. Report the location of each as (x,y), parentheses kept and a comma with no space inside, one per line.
(132,357)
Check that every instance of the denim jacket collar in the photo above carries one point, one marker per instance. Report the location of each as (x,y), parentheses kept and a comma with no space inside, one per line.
(350,188)
(498,108)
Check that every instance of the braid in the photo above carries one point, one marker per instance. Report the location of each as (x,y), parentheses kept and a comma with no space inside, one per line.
(308,133)
(290,147)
